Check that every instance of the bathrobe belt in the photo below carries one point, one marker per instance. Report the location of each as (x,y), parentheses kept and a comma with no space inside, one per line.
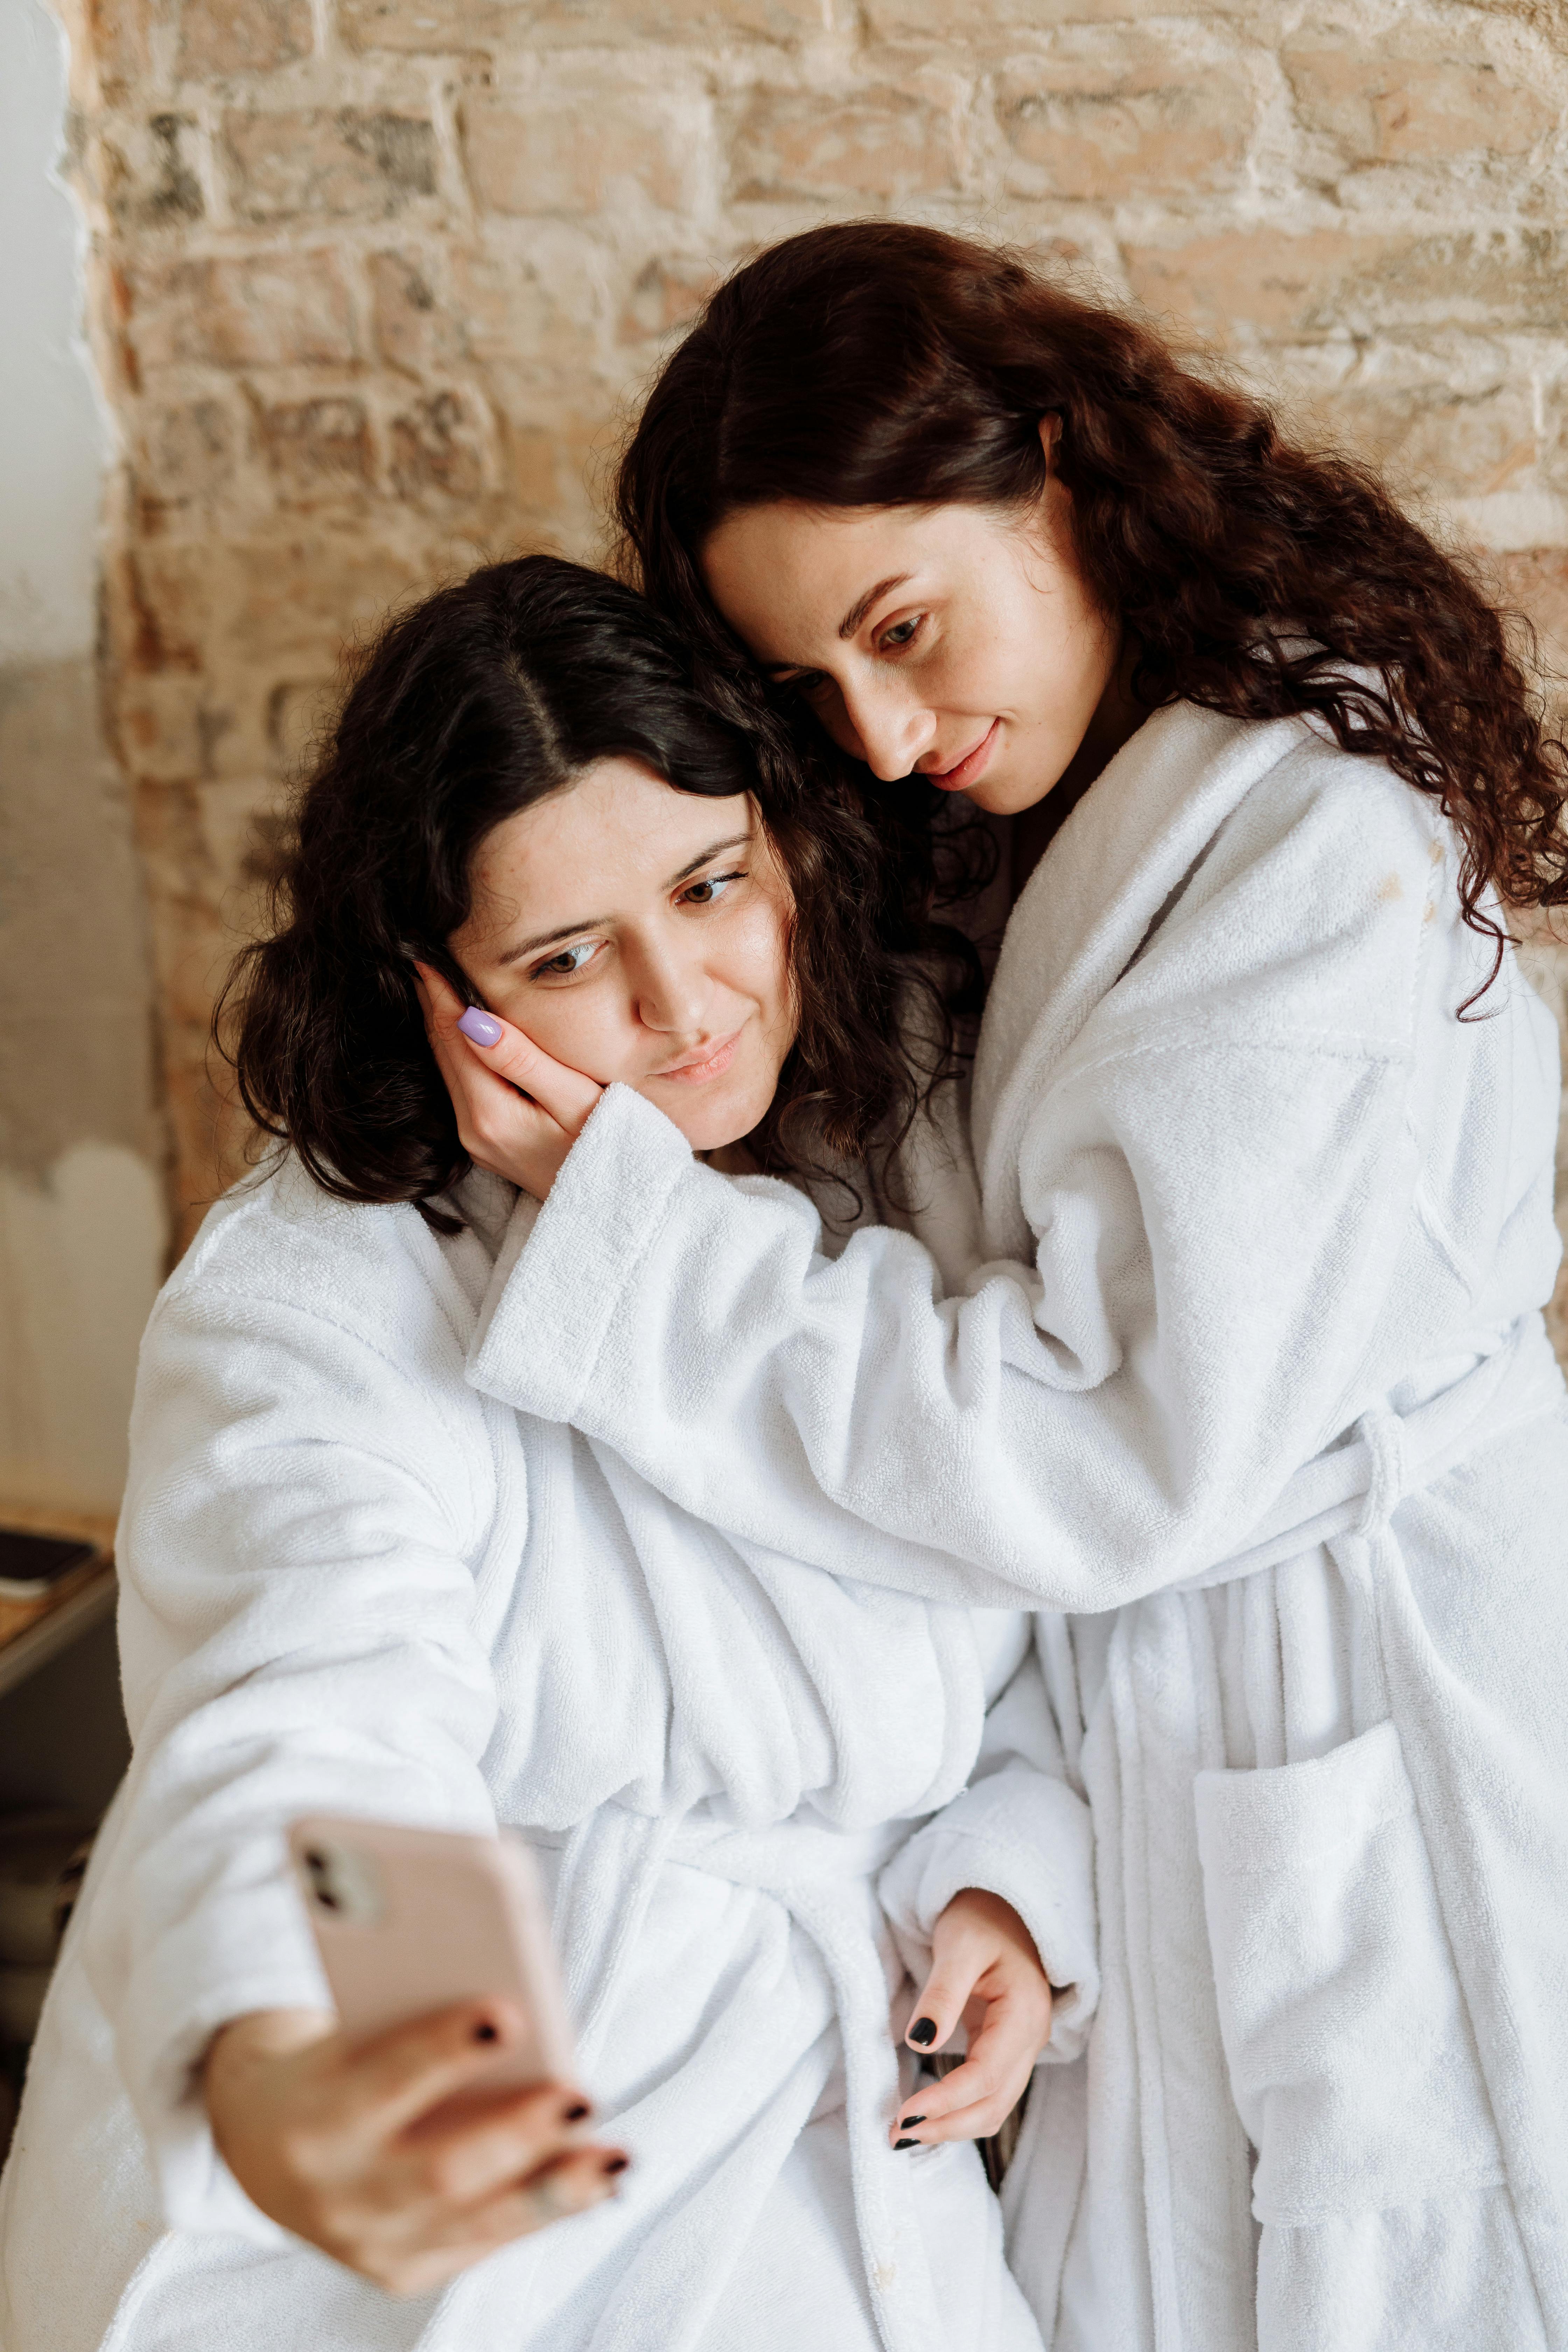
(1355,1487)
(825,1878)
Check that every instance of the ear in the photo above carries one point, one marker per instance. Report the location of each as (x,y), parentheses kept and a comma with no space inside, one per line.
(1050,434)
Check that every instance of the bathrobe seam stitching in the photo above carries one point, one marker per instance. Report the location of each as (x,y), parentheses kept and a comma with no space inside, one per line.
(1493,2176)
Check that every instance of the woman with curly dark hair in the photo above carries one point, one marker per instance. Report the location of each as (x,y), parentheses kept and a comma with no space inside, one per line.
(352,1581)
(1245,1386)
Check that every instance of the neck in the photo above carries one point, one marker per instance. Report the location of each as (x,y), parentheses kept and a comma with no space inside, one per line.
(1118,714)
(733,1159)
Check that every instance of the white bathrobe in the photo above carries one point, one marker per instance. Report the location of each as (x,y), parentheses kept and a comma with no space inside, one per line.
(1249,1383)
(351,1582)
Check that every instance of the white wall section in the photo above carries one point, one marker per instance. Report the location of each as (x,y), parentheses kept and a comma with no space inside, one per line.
(53,434)
(82,1218)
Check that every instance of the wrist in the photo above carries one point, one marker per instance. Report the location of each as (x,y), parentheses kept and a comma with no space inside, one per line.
(249,2040)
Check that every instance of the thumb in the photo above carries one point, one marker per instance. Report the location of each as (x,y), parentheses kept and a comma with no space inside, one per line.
(940,2005)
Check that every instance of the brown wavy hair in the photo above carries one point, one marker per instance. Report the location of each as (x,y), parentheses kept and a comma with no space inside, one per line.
(876,363)
(477,702)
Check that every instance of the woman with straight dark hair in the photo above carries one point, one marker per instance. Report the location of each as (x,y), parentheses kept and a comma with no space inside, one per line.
(1245,1386)
(354,1583)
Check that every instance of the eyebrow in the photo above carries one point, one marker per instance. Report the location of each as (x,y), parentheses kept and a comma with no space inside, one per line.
(849,625)
(856,613)
(593,922)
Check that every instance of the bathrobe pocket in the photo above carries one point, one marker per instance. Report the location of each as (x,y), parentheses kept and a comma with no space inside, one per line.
(1352,2061)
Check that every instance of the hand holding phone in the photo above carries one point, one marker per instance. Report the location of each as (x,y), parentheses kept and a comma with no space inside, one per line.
(411,2150)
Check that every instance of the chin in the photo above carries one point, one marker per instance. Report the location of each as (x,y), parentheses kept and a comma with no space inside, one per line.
(1001,796)
(725,1119)
(711,1130)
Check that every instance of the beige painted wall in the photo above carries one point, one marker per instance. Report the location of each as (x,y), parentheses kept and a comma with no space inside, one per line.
(83,1217)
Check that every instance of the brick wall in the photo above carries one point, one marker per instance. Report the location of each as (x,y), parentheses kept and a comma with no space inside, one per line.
(377,281)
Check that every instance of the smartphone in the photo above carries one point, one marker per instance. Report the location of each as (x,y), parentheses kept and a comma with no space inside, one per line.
(410,1920)
(32,1565)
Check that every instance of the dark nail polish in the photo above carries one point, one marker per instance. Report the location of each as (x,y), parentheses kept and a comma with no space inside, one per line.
(577,2112)
(910,2122)
(616,2163)
(923,2032)
(905,2143)
(485,2032)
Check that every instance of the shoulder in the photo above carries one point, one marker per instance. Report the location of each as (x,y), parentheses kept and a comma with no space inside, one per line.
(1305,917)
(277,1250)
(1327,847)
(1321,810)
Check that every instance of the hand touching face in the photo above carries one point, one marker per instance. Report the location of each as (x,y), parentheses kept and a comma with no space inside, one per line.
(638,933)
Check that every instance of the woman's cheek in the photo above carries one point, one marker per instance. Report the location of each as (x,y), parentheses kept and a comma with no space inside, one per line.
(577,1032)
(760,966)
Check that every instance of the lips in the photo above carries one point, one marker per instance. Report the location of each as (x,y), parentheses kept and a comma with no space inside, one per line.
(968,770)
(711,1064)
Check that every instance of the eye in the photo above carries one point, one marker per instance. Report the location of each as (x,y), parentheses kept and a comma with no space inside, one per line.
(710,889)
(565,961)
(901,635)
(811,684)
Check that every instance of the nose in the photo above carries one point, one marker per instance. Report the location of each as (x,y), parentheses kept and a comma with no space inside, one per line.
(672,992)
(889,726)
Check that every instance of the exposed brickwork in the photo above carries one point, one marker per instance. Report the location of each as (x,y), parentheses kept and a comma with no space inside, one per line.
(377,281)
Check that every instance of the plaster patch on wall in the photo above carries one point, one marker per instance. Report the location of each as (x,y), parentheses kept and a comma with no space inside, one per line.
(80,1258)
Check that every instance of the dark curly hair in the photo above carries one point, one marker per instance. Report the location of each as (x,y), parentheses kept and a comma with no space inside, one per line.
(876,363)
(477,702)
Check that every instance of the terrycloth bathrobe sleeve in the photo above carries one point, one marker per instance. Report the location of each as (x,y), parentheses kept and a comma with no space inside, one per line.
(1201,1198)
(298,1604)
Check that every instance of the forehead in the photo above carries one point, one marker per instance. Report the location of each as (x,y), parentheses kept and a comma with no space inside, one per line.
(786,576)
(617,825)
(781,572)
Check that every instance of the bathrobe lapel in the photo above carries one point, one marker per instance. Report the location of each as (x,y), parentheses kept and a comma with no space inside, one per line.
(1085,914)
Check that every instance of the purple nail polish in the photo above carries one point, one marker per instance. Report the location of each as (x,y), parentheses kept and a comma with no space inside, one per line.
(482,1027)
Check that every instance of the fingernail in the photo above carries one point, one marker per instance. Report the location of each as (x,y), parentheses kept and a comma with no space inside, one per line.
(923,2032)
(485,2032)
(905,2143)
(578,2111)
(910,2122)
(482,1027)
(616,2163)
